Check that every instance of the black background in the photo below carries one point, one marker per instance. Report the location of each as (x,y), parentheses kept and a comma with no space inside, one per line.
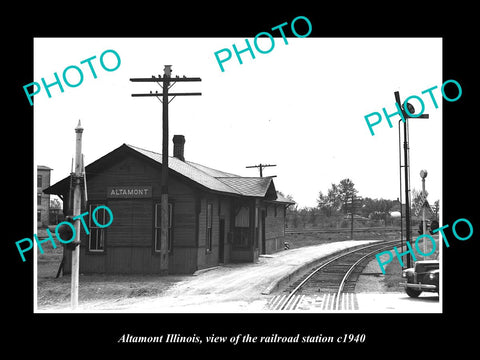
(387,334)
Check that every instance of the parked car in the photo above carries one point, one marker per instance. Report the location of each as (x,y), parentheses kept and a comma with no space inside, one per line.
(423,277)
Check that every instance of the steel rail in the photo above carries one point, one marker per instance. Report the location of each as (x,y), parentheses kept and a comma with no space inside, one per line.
(304,281)
(350,270)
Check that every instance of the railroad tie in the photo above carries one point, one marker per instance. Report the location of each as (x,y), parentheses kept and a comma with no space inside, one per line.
(276,302)
(346,301)
(328,302)
(282,302)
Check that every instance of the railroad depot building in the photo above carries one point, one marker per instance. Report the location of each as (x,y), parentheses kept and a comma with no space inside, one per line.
(214,217)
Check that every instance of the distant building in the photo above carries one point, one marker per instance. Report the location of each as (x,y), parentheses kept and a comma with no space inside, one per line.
(214,217)
(43,199)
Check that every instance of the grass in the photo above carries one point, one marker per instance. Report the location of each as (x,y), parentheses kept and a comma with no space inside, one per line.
(299,240)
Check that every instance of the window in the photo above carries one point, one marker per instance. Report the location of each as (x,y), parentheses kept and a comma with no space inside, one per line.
(158,227)
(96,239)
(39,199)
(39,181)
(39,216)
(209,226)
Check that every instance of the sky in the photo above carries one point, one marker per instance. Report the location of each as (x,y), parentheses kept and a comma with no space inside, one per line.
(300,106)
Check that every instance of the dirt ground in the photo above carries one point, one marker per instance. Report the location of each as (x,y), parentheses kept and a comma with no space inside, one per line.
(54,292)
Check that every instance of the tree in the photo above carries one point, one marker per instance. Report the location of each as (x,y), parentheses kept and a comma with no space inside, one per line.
(378,209)
(303,213)
(415,198)
(55,204)
(368,207)
(436,208)
(329,203)
(383,209)
(346,190)
(291,212)
(337,197)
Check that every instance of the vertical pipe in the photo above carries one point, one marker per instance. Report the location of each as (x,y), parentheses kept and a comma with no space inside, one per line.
(407,190)
(400,172)
(77,202)
(423,220)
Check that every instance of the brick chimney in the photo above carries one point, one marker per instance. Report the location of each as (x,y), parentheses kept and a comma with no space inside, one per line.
(179,146)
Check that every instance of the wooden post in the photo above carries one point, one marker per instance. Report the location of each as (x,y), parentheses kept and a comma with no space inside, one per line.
(352,210)
(164,179)
(423,175)
(77,202)
(164,213)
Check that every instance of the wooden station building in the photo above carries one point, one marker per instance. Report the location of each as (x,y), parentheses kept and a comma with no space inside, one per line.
(214,217)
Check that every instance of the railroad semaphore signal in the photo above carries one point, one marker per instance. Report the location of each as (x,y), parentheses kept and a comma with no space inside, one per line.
(407,114)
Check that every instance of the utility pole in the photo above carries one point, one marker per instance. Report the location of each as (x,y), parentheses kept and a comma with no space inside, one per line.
(165,83)
(260,166)
(354,202)
(406,166)
(423,175)
(352,211)
(77,204)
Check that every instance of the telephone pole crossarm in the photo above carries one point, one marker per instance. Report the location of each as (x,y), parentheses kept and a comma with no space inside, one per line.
(169,94)
(260,167)
(165,97)
(160,79)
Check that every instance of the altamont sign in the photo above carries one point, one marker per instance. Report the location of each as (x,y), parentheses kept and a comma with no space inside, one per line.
(129,192)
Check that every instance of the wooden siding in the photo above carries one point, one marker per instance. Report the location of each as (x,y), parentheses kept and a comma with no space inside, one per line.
(132,224)
(129,242)
(183,260)
(274,228)
(274,225)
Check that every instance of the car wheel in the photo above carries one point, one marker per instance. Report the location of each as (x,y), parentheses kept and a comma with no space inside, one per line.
(412,292)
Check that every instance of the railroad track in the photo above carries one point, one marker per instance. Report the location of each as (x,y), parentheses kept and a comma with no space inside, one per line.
(332,284)
(342,230)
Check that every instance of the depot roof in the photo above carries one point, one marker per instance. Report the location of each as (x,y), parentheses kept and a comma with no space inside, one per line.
(206,177)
